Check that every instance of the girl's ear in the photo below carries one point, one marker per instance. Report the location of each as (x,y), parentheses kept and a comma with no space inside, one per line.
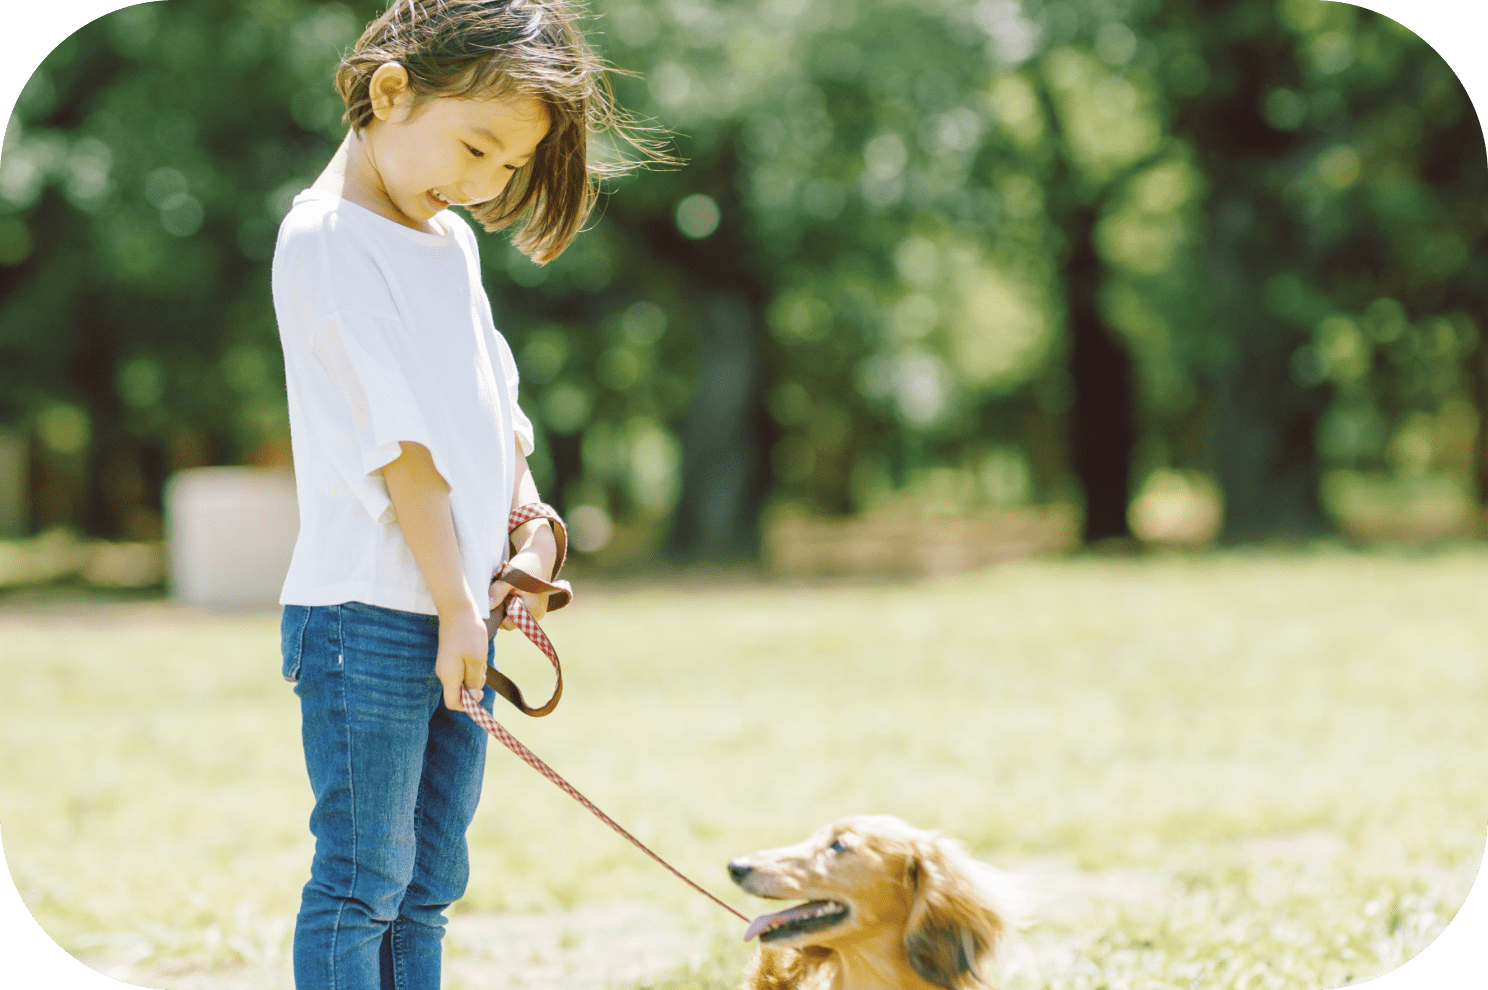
(388,89)
(951,928)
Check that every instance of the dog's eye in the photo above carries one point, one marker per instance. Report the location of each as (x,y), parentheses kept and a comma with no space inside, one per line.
(838,846)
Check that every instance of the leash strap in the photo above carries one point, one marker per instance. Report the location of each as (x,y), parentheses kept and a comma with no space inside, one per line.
(560,593)
(484,719)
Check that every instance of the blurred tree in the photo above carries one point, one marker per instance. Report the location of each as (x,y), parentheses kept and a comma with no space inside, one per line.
(924,192)
(851,153)
(1346,190)
(1106,131)
(142,179)
(961,251)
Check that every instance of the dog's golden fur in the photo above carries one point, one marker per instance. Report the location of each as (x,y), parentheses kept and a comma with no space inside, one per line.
(890,907)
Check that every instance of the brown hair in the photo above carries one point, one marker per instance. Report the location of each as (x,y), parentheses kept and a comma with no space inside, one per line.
(492,49)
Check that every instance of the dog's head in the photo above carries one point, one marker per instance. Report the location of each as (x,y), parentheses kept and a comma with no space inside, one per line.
(862,876)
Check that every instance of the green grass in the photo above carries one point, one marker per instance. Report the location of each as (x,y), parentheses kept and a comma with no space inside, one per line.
(1245,771)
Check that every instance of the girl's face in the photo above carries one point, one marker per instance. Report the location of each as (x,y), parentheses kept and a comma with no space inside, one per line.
(449,152)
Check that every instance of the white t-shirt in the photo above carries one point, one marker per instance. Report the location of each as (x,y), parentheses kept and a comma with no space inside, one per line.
(388,337)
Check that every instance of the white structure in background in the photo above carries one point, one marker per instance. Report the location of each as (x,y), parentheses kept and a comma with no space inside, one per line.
(230,532)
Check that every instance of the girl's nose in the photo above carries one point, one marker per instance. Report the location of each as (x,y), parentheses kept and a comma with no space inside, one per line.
(487,187)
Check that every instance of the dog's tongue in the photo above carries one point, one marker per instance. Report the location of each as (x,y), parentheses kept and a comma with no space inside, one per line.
(765,921)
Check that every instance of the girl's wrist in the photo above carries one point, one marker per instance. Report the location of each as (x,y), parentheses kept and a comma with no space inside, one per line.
(526,534)
(537,538)
(455,604)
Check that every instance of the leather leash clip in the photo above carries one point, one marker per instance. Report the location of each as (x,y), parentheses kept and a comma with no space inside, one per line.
(560,593)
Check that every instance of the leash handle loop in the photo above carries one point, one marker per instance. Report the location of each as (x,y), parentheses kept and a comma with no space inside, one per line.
(560,593)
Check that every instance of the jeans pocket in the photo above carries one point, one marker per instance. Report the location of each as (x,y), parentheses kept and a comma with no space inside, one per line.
(292,639)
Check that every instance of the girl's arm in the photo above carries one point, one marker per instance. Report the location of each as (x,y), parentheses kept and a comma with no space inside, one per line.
(534,549)
(421,501)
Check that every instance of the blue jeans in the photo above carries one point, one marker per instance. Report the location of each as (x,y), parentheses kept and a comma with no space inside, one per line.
(396,778)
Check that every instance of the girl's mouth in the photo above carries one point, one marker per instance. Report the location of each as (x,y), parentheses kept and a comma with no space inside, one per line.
(438,198)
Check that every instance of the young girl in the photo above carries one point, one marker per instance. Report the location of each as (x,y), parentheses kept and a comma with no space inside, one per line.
(410,450)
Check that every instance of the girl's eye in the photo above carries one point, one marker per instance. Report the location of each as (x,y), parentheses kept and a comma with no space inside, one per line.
(475,152)
(838,846)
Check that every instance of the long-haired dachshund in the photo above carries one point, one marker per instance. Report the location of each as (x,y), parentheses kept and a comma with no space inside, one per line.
(887,907)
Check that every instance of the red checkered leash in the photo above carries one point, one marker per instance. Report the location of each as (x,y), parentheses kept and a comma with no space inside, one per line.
(560,593)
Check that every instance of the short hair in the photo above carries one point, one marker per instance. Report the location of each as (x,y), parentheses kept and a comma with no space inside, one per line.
(493,49)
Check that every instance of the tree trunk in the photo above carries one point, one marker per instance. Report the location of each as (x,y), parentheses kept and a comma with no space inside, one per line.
(1477,387)
(1266,453)
(566,453)
(1265,423)
(1102,419)
(723,479)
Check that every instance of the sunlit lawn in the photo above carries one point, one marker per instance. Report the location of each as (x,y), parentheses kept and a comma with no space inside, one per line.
(1226,771)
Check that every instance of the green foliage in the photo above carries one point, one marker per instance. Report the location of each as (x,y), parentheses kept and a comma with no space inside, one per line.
(1345,177)
(886,195)
(897,183)
(148,163)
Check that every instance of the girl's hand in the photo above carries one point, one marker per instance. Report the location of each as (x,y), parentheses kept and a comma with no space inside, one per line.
(462,654)
(535,552)
(537,604)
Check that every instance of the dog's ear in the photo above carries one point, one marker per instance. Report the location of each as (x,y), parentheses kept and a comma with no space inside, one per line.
(952,926)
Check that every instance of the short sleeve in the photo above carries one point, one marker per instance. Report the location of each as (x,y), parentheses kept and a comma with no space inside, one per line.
(369,360)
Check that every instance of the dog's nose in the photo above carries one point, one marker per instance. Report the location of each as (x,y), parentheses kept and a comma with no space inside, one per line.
(738,870)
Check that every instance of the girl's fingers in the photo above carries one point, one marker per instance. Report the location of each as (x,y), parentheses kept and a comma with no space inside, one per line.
(499,591)
(452,696)
(537,605)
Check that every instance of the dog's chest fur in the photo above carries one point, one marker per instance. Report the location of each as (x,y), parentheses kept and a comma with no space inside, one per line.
(813,969)
(787,969)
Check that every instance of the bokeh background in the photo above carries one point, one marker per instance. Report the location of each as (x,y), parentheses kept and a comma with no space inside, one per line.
(1102,272)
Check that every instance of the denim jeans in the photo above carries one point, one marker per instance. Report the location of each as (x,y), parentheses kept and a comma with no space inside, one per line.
(396,778)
